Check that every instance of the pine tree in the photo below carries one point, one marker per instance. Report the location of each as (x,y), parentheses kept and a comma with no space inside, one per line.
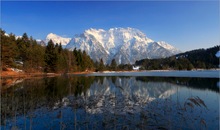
(35,59)
(60,49)
(87,63)
(50,58)
(113,65)
(8,49)
(23,43)
(101,65)
(25,38)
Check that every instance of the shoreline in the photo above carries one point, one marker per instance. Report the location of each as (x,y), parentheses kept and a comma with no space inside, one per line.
(160,73)
(163,73)
(8,74)
(14,77)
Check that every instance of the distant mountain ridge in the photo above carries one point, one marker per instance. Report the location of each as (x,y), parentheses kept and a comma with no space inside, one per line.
(125,45)
(57,39)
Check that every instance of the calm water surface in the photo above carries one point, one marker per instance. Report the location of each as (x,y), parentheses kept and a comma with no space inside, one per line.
(93,102)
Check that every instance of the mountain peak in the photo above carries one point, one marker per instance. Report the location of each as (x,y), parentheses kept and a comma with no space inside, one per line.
(51,35)
(125,45)
(57,39)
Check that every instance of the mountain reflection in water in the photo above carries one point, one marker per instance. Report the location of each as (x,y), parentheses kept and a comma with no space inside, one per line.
(76,102)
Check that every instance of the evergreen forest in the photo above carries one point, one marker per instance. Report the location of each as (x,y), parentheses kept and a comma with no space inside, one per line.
(26,54)
(195,59)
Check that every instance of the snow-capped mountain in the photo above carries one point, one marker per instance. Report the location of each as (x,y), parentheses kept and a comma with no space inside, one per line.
(41,42)
(16,37)
(6,34)
(57,39)
(125,45)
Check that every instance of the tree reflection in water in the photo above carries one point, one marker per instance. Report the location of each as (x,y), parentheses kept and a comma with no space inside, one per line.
(111,103)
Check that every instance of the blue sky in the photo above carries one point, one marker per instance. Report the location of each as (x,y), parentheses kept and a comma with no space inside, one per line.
(186,25)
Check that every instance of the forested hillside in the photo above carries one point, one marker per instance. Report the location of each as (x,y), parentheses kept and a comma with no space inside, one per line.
(195,59)
(26,54)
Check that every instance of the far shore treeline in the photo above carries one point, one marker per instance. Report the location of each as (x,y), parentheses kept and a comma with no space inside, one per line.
(26,54)
(195,59)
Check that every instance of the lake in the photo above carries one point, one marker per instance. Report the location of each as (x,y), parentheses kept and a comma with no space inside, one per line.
(111,102)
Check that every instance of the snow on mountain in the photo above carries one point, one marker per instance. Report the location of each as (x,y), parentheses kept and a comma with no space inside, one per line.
(16,37)
(125,45)
(6,34)
(41,42)
(57,39)
(168,47)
